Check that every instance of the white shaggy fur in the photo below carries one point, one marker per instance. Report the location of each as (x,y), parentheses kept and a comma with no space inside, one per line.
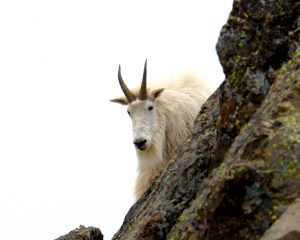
(166,126)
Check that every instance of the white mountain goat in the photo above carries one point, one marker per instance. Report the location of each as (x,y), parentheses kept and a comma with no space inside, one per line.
(162,119)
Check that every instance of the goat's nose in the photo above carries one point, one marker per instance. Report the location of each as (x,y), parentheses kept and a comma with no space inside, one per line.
(140,143)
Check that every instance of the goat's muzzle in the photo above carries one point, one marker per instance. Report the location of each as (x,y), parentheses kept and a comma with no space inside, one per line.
(140,143)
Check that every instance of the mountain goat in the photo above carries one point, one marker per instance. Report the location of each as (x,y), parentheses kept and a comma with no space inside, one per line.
(162,119)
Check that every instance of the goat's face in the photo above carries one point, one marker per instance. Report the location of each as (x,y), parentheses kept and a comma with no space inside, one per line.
(142,110)
(143,115)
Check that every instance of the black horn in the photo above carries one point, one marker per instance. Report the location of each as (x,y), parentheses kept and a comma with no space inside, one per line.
(129,95)
(143,89)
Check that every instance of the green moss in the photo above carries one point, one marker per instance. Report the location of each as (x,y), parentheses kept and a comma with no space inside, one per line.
(274,212)
(269,171)
(255,53)
(237,58)
(222,170)
(233,79)
(181,218)
(200,206)
(237,123)
(275,207)
(178,236)
(241,169)
(297,85)
(286,143)
(292,170)
(234,19)
(232,173)
(241,44)
(282,13)
(248,124)
(274,217)
(243,34)
(285,69)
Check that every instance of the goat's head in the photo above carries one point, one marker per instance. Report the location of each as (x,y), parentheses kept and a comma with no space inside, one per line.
(142,110)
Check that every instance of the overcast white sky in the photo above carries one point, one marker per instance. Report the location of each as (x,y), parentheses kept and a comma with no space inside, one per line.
(66,152)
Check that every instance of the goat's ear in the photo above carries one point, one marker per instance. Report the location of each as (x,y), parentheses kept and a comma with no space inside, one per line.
(120,100)
(156,93)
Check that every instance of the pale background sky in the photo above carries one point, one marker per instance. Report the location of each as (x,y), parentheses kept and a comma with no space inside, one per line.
(66,152)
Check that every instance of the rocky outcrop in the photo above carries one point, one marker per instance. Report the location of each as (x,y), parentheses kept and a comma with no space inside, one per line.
(83,233)
(240,169)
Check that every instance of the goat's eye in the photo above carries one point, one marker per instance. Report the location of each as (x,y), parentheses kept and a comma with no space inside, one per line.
(150,108)
(128,113)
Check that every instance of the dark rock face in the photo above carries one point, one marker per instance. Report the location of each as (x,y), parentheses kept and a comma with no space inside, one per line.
(287,227)
(83,233)
(240,169)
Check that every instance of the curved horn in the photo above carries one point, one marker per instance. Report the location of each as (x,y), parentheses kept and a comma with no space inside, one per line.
(143,89)
(129,95)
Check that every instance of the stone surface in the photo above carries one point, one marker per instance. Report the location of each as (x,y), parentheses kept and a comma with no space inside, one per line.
(287,226)
(83,233)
